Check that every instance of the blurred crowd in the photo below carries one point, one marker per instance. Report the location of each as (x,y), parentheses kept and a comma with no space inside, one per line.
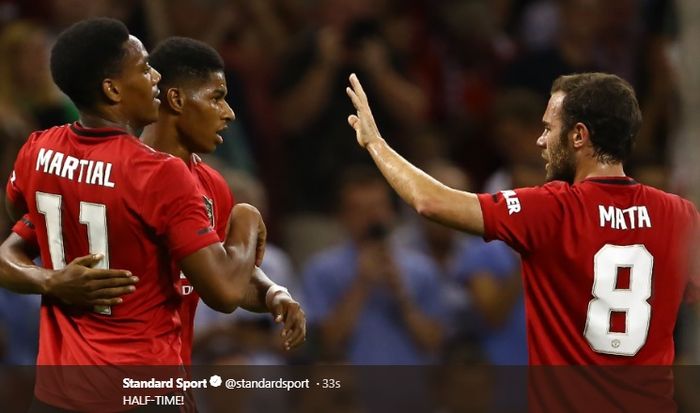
(457,86)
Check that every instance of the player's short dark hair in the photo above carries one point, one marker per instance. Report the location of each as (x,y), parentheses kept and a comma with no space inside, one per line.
(85,54)
(179,59)
(607,105)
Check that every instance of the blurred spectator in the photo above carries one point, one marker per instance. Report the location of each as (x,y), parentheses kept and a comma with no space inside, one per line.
(29,100)
(371,301)
(473,50)
(491,271)
(481,287)
(685,146)
(312,105)
(19,327)
(492,274)
(516,124)
(574,50)
(539,25)
(448,249)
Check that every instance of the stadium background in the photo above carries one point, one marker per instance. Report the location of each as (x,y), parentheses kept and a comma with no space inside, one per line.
(454,82)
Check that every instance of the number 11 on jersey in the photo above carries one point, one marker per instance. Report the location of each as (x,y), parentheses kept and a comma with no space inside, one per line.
(94,216)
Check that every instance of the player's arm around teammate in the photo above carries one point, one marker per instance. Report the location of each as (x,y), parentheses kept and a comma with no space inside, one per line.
(77,284)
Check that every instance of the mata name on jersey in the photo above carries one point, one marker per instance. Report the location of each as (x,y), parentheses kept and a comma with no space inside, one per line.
(630,218)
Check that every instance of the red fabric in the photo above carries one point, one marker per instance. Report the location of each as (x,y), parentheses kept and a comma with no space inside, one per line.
(154,215)
(213,186)
(210,185)
(25,229)
(557,230)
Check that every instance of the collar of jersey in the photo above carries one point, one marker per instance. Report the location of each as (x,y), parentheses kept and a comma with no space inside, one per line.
(81,130)
(612,180)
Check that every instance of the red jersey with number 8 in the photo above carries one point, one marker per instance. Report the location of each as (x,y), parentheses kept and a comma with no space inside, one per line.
(605,265)
(103,191)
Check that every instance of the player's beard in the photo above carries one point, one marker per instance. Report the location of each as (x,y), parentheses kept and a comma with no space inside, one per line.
(561,161)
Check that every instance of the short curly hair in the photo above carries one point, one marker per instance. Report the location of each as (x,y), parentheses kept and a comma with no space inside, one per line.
(608,106)
(84,55)
(179,59)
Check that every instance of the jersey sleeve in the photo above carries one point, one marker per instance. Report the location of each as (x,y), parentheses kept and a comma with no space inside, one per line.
(223,212)
(174,207)
(26,230)
(14,189)
(523,218)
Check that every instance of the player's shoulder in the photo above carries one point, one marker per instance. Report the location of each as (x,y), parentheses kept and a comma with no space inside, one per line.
(142,157)
(553,191)
(210,175)
(555,187)
(145,152)
(668,198)
(205,170)
(47,134)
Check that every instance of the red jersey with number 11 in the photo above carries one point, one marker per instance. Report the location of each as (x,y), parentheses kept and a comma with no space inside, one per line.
(102,190)
(605,265)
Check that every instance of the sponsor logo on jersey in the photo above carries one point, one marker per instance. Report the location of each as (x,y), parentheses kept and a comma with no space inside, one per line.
(512,201)
(185,287)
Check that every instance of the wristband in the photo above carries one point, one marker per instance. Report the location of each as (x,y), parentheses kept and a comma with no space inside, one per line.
(272,291)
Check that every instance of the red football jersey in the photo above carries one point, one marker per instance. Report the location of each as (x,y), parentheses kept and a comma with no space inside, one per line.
(219,201)
(605,264)
(102,190)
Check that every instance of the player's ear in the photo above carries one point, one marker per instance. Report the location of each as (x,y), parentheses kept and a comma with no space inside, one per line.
(111,90)
(580,135)
(175,99)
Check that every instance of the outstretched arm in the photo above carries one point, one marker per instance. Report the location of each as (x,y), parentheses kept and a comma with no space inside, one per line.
(430,198)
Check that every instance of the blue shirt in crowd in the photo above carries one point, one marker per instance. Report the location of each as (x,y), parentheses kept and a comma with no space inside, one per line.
(380,335)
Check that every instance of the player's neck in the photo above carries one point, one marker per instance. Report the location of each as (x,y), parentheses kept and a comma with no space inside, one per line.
(598,169)
(99,119)
(162,136)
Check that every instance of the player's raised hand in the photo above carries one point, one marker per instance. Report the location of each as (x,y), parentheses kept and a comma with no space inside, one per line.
(287,311)
(81,285)
(363,122)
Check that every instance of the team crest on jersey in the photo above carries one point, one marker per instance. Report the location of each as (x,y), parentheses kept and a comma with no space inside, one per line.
(209,207)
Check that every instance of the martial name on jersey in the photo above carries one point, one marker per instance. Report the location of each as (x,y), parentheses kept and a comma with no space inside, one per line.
(88,171)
